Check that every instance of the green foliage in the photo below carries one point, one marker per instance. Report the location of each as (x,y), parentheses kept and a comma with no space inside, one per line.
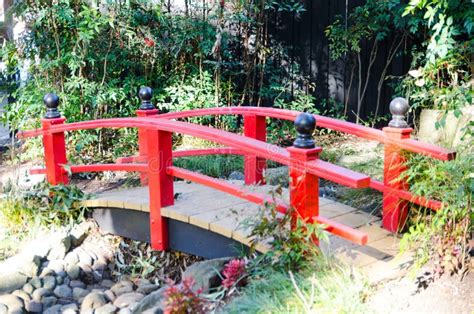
(442,236)
(325,288)
(42,205)
(291,239)
(216,166)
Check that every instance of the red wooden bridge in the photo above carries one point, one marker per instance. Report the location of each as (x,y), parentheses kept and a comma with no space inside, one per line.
(155,160)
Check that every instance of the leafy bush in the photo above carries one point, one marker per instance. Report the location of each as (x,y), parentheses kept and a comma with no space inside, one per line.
(442,236)
(182,298)
(41,205)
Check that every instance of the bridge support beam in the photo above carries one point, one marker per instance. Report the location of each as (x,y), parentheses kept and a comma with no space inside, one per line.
(254,127)
(54,144)
(160,185)
(146,110)
(395,209)
(304,187)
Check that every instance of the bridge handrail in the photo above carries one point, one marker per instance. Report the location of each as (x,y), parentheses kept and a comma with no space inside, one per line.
(261,149)
(323,122)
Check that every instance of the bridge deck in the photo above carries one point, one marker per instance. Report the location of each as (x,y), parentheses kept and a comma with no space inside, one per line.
(224,214)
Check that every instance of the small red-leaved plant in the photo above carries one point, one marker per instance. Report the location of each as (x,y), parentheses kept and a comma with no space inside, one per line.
(233,271)
(181,299)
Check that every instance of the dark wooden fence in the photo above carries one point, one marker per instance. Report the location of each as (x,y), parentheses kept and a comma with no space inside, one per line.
(308,46)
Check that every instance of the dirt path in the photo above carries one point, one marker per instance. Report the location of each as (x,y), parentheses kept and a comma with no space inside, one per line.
(445,295)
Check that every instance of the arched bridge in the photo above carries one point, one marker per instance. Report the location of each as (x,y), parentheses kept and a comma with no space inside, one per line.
(208,196)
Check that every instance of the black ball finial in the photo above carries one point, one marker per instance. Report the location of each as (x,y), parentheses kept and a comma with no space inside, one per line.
(145,95)
(51,101)
(398,108)
(305,124)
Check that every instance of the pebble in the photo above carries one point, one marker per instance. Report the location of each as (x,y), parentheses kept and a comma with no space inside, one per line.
(127,299)
(11,301)
(57,266)
(40,293)
(59,280)
(107,283)
(73,271)
(47,272)
(28,288)
(106,309)
(22,294)
(122,287)
(49,282)
(93,300)
(69,308)
(147,288)
(71,258)
(48,301)
(34,306)
(55,309)
(3,309)
(78,293)
(76,284)
(63,291)
(109,295)
(35,282)
(85,258)
(124,311)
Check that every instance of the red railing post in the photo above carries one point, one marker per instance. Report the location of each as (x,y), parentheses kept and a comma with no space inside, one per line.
(160,184)
(304,187)
(146,109)
(54,144)
(395,209)
(254,127)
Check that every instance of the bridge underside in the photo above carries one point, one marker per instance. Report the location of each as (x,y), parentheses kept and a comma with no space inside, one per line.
(211,224)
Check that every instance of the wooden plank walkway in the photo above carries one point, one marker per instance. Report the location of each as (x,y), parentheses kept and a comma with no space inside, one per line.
(223,214)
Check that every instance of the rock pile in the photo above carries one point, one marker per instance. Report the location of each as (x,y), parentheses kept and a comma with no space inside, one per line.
(67,272)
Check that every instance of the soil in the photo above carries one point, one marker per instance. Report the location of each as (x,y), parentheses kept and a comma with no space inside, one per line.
(448,294)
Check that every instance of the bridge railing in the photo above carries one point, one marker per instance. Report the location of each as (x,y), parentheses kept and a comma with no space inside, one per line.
(155,159)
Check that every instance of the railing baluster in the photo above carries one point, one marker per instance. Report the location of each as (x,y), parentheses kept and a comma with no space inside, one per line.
(160,184)
(54,144)
(304,187)
(395,209)
(255,127)
(146,109)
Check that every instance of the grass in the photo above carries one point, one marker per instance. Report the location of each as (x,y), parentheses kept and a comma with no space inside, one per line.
(327,288)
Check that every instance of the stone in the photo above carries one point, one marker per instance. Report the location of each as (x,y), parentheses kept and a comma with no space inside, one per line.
(12,302)
(3,309)
(106,309)
(93,300)
(36,282)
(107,283)
(147,288)
(85,258)
(71,258)
(77,284)
(205,273)
(99,267)
(86,273)
(125,311)
(73,271)
(152,303)
(55,309)
(71,307)
(56,265)
(122,287)
(109,295)
(59,280)
(28,288)
(236,175)
(38,294)
(12,281)
(59,246)
(63,291)
(78,293)
(34,306)
(80,232)
(22,294)
(47,272)
(49,282)
(48,301)
(124,300)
